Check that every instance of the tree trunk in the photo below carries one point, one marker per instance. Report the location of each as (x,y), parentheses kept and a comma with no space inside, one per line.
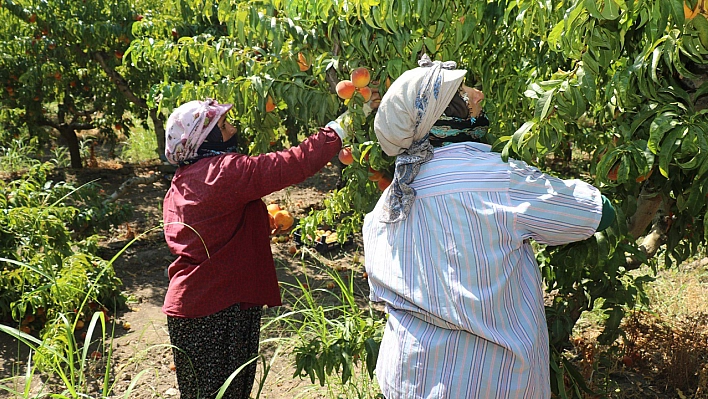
(69,134)
(124,88)
(159,128)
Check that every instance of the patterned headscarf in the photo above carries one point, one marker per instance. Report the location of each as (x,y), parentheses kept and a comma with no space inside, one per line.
(408,110)
(188,126)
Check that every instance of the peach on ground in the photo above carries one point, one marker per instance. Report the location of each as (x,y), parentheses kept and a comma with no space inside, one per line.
(273,208)
(283,220)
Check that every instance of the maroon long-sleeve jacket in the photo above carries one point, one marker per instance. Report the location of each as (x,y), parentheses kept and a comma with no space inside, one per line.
(217,225)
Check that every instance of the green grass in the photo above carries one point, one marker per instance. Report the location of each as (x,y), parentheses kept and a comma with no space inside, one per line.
(140,145)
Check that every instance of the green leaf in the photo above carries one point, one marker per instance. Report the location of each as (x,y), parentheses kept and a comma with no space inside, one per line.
(658,128)
(544,104)
(668,147)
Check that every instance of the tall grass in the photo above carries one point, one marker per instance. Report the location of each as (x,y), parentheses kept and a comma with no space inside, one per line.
(335,341)
(139,146)
(19,155)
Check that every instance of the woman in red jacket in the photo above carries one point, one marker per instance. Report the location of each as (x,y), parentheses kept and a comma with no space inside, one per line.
(217,226)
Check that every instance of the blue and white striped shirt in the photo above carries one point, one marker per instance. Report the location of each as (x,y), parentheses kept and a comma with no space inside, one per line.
(460,280)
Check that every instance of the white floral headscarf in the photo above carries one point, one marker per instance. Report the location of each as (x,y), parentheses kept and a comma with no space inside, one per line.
(408,110)
(188,126)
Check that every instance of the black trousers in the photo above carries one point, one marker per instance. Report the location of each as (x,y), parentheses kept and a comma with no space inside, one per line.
(207,350)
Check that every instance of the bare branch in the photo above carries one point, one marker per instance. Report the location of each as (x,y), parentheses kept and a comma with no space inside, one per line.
(129,183)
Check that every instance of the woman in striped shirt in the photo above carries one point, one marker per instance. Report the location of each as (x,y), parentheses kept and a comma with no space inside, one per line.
(448,248)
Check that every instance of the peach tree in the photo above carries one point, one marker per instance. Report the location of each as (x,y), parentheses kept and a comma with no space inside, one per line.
(610,91)
(62,70)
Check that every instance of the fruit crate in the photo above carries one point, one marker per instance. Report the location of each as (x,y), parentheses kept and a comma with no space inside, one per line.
(323,243)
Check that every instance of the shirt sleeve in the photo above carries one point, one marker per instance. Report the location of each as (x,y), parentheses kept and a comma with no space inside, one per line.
(550,210)
(256,177)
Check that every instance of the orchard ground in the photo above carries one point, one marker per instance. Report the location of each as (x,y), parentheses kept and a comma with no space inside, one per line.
(660,347)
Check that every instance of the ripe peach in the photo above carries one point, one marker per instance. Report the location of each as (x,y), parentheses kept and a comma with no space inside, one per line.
(374,175)
(302,62)
(283,220)
(345,156)
(270,104)
(345,89)
(365,92)
(360,77)
(383,183)
(273,208)
(612,174)
(271,222)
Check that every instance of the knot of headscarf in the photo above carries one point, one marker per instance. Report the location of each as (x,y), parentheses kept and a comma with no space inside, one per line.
(401,195)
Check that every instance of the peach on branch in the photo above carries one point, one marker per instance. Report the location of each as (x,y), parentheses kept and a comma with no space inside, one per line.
(383,183)
(345,156)
(360,77)
(345,89)
(374,175)
(365,92)
(270,104)
(302,62)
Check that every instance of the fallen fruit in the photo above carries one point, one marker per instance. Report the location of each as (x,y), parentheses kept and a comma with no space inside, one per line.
(345,89)
(330,285)
(273,208)
(283,220)
(271,222)
(292,250)
(126,325)
(96,355)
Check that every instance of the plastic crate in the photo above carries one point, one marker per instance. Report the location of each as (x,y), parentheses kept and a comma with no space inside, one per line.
(321,245)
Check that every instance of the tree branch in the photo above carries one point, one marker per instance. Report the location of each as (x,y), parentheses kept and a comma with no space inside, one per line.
(118,79)
(648,204)
(129,183)
(648,211)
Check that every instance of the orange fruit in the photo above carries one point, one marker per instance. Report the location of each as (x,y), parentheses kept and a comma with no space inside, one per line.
(374,175)
(270,104)
(345,89)
(283,220)
(273,208)
(271,222)
(612,174)
(383,183)
(644,177)
(365,92)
